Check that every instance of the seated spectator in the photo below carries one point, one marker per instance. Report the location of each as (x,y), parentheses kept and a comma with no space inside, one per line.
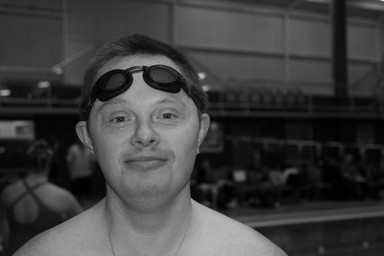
(242,189)
(317,186)
(212,186)
(268,190)
(247,181)
(330,166)
(278,185)
(33,204)
(375,179)
(352,180)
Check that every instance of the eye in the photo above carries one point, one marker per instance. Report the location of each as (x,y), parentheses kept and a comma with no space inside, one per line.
(119,119)
(168,116)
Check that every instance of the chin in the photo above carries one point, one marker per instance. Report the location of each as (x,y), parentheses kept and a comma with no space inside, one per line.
(158,194)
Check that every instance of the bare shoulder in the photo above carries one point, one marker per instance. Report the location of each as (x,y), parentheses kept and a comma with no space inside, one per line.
(76,236)
(59,200)
(50,242)
(10,193)
(231,237)
(60,193)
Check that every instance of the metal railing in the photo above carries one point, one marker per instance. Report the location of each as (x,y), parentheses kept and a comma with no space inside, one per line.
(227,103)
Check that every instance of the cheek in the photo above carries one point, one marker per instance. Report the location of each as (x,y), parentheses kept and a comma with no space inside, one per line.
(184,147)
(105,147)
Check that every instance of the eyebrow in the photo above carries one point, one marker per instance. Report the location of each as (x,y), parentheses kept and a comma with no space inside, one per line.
(111,102)
(171,100)
(162,101)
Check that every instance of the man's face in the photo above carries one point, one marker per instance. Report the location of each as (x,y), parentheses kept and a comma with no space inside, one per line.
(145,140)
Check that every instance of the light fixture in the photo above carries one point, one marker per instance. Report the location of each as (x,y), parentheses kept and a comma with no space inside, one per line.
(202,75)
(5,92)
(206,87)
(43,84)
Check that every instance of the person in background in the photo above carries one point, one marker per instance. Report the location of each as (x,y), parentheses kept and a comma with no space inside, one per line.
(58,174)
(143,115)
(33,204)
(352,180)
(212,185)
(81,165)
(205,188)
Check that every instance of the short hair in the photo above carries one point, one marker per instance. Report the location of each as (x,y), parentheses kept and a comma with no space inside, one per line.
(40,155)
(133,45)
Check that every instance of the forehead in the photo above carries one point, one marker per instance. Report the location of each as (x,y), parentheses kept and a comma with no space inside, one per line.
(124,62)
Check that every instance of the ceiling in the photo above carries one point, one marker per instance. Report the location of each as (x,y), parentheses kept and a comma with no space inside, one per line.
(372,9)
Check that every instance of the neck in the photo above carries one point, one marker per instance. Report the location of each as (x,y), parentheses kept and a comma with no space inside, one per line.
(160,232)
(36,177)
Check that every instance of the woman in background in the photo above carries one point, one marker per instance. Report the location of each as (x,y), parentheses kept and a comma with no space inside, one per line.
(33,204)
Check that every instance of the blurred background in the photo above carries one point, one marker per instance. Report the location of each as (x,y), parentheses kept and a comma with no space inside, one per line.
(296,87)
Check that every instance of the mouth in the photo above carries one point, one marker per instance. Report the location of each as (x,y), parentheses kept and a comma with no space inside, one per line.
(146,162)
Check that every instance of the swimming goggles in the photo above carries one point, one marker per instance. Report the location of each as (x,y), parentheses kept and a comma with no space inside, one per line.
(117,81)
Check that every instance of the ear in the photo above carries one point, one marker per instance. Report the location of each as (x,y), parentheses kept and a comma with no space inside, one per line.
(204,127)
(82,133)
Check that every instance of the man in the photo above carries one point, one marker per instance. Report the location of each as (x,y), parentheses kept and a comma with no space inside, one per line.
(143,116)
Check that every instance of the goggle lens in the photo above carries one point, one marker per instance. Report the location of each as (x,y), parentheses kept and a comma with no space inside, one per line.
(162,75)
(114,81)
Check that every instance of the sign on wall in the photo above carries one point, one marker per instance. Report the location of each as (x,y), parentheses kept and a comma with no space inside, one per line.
(214,141)
(20,129)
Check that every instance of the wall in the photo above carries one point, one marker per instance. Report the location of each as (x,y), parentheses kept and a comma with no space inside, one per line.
(109,20)
(31,39)
(244,46)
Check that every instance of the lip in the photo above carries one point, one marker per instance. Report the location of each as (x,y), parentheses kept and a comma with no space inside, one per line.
(146,162)
(145,159)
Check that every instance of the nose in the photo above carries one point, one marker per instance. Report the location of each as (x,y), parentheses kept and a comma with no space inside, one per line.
(145,134)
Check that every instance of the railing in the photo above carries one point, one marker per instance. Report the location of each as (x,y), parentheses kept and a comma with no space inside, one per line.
(30,106)
(53,99)
(270,103)
(240,103)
